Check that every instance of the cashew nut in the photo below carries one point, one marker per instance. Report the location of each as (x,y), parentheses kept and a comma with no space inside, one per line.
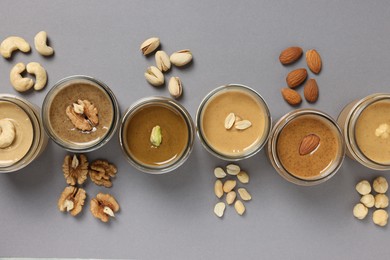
(20,84)
(40,42)
(13,43)
(40,74)
(7,133)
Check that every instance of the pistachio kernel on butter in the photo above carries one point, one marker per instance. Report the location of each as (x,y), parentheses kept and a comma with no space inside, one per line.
(156,136)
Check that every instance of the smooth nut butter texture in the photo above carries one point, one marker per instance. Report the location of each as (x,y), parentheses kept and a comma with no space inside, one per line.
(233,142)
(24,133)
(316,163)
(137,132)
(376,148)
(62,125)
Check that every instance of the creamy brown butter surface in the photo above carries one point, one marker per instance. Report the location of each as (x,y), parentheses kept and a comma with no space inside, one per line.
(174,135)
(316,163)
(24,133)
(61,124)
(372,132)
(233,142)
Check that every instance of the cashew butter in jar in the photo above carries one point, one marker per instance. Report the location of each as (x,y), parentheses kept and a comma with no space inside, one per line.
(366,128)
(22,138)
(80,113)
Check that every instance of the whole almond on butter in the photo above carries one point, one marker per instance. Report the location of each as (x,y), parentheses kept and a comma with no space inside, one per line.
(309,144)
(296,77)
(310,91)
(291,96)
(313,60)
(290,55)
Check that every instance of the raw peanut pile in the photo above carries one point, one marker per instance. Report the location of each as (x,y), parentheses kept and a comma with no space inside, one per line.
(368,200)
(229,187)
(296,77)
(154,74)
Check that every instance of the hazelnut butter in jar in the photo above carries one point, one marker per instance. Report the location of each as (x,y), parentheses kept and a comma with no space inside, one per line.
(233,122)
(306,147)
(80,113)
(22,137)
(366,128)
(156,135)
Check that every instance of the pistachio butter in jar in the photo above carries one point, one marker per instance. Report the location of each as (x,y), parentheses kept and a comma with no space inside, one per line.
(366,129)
(22,137)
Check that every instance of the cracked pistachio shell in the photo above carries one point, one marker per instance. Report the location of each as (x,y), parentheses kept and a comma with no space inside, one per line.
(150,45)
(175,87)
(154,76)
(181,58)
(162,61)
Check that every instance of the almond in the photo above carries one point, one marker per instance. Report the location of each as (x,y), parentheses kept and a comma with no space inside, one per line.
(310,91)
(309,144)
(290,55)
(291,96)
(296,77)
(313,60)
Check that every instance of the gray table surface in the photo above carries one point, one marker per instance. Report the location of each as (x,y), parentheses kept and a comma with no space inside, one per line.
(171,216)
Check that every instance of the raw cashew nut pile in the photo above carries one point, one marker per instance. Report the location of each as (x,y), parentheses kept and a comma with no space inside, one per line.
(7,133)
(23,84)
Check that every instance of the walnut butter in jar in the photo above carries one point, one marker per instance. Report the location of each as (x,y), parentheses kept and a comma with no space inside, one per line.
(366,129)
(22,138)
(80,113)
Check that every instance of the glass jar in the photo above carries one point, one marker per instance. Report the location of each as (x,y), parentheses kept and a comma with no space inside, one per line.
(29,139)
(74,130)
(233,144)
(175,135)
(366,127)
(302,166)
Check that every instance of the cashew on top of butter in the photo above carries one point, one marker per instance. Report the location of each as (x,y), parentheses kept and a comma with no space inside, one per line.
(7,133)
(18,82)
(13,43)
(40,42)
(383,131)
(40,74)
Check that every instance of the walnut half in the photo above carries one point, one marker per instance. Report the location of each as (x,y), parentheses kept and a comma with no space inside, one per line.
(104,206)
(72,200)
(83,115)
(101,172)
(75,169)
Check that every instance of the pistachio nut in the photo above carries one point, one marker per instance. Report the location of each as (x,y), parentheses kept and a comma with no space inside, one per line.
(175,87)
(156,136)
(154,76)
(181,58)
(162,61)
(150,45)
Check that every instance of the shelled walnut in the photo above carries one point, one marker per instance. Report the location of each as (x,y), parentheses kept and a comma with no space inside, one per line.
(83,115)
(72,200)
(101,171)
(75,169)
(104,206)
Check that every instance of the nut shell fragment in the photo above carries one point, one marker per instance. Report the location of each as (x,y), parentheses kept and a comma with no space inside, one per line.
(104,206)
(101,172)
(75,173)
(72,200)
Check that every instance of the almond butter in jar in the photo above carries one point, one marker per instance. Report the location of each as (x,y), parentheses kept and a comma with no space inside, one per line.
(306,147)
(366,128)
(80,113)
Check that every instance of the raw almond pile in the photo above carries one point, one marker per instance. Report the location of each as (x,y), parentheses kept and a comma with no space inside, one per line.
(296,77)
(229,187)
(154,74)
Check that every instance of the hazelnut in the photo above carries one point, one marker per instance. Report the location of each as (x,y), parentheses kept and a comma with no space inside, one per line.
(104,206)
(363,187)
(75,169)
(368,200)
(380,185)
(360,211)
(380,217)
(101,171)
(72,200)
(381,201)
